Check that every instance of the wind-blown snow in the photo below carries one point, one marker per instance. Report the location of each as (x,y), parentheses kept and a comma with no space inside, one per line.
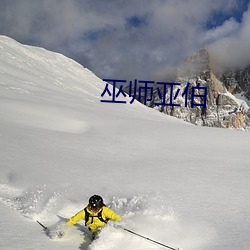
(179,184)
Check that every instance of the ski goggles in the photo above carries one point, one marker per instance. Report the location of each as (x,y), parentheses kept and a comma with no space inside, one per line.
(94,208)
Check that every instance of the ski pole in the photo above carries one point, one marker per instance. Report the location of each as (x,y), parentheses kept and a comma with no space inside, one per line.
(45,228)
(146,238)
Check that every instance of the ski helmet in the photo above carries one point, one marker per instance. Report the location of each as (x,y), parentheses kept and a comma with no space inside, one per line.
(95,202)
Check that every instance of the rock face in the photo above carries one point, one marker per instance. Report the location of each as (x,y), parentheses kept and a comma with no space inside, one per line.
(237,81)
(222,108)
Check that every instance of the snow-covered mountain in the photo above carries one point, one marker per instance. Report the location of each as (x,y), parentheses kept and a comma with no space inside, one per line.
(227,96)
(182,185)
(237,82)
(223,108)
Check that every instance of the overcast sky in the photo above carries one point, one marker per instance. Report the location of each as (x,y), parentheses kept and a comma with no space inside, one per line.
(131,39)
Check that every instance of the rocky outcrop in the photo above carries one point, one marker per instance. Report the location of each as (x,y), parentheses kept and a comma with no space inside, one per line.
(237,81)
(222,108)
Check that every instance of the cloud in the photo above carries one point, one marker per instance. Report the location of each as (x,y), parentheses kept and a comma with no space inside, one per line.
(226,29)
(233,49)
(123,39)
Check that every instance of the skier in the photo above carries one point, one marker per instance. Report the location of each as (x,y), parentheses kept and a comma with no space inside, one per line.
(95,214)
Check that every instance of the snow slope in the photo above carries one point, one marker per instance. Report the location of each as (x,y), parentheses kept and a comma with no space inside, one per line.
(176,183)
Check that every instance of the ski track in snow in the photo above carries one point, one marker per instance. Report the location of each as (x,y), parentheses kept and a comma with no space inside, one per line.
(43,117)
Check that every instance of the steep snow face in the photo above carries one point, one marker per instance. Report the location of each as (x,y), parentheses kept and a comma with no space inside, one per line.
(179,184)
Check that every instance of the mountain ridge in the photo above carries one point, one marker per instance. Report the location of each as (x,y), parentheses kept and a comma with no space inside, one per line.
(223,109)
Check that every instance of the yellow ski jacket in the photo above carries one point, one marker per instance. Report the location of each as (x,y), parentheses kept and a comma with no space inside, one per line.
(94,223)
